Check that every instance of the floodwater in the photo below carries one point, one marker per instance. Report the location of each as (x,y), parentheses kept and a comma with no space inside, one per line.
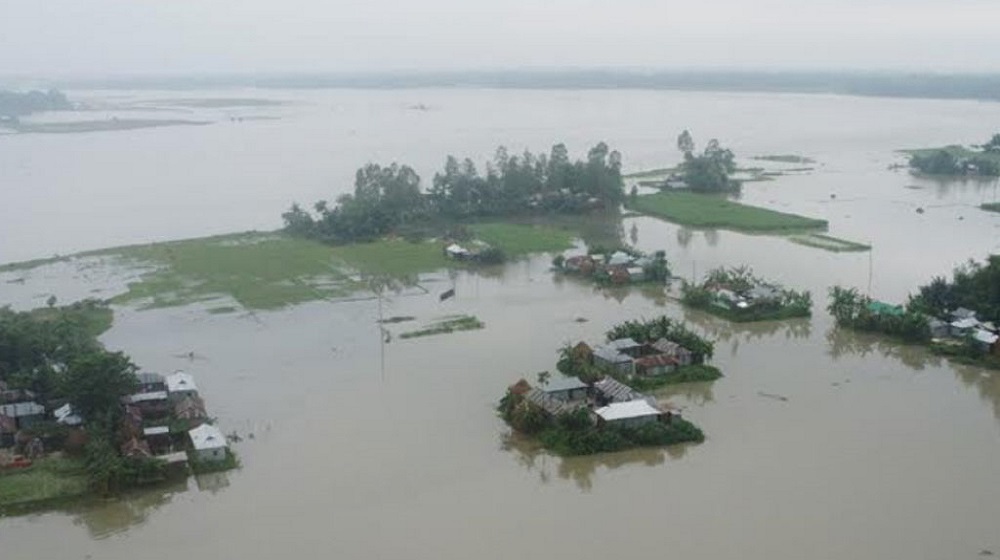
(356,448)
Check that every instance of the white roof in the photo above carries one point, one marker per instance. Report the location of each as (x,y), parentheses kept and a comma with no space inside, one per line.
(180,381)
(562,383)
(634,270)
(619,258)
(145,397)
(207,436)
(156,431)
(457,249)
(64,415)
(17,410)
(986,336)
(965,323)
(631,409)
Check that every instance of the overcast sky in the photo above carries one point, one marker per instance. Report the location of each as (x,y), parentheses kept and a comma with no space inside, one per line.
(106,37)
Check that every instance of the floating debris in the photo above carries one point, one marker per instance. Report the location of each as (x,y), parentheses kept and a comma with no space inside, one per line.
(920,210)
(447,294)
(773,396)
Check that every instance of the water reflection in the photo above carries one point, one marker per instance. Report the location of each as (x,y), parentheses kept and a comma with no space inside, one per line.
(722,330)
(117,515)
(582,470)
(843,342)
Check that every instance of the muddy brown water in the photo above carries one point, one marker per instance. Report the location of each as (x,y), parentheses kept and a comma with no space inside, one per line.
(821,443)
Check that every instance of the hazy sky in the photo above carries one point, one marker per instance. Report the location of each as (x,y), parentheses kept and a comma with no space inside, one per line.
(56,37)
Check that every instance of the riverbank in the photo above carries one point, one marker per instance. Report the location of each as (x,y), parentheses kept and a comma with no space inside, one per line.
(48,481)
(710,211)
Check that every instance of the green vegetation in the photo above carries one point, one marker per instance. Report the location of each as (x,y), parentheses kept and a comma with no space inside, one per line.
(973,285)
(855,311)
(710,171)
(958,160)
(828,243)
(785,158)
(258,271)
(393,257)
(991,206)
(447,325)
(694,373)
(48,480)
(521,239)
(663,327)
(389,200)
(71,127)
(576,433)
(708,211)
(736,294)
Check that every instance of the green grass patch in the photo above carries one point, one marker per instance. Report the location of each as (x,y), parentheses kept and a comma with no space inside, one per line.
(392,257)
(694,373)
(258,271)
(521,239)
(710,211)
(447,325)
(785,158)
(828,243)
(991,206)
(47,480)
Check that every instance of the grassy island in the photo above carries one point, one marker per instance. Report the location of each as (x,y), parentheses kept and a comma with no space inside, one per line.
(738,295)
(958,161)
(715,211)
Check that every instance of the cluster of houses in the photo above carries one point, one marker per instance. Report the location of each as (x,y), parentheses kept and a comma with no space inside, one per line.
(608,401)
(619,267)
(628,357)
(161,420)
(961,324)
(762,294)
(165,416)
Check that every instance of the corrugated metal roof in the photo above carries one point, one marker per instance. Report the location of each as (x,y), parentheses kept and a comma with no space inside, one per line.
(616,391)
(625,410)
(149,378)
(550,405)
(985,336)
(965,323)
(207,436)
(156,431)
(147,397)
(611,355)
(623,344)
(563,383)
(656,360)
(18,410)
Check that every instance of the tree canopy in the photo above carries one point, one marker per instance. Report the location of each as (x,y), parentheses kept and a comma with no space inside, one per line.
(15,104)
(708,172)
(973,285)
(390,200)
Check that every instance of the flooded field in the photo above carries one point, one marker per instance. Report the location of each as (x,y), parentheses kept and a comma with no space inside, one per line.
(820,443)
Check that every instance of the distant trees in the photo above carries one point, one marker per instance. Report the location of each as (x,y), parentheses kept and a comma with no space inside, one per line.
(959,161)
(15,104)
(389,199)
(663,327)
(708,172)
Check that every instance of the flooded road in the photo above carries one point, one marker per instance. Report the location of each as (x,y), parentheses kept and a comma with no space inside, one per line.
(354,448)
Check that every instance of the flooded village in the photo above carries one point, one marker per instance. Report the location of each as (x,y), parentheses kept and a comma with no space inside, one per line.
(816,436)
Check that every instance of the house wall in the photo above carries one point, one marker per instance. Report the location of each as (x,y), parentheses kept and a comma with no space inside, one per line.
(633,422)
(181,395)
(656,370)
(28,421)
(211,455)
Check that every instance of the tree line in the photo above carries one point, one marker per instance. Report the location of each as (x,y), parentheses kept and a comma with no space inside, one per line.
(709,171)
(16,104)
(390,199)
(945,161)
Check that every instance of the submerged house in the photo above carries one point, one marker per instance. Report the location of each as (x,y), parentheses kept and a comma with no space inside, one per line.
(565,388)
(209,443)
(986,340)
(629,414)
(938,328)
(666,347)
(25,414)
(610,357)
(8,428)
(151,382)
(153,404)
(609,390)
(181,385)
(656,364)
(191,410)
